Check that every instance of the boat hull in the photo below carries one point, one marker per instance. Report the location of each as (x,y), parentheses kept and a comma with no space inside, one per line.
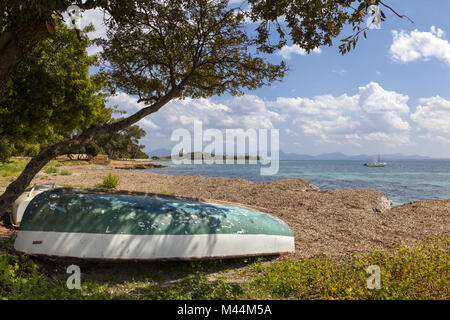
(68,223)
(151,247)
(21,203)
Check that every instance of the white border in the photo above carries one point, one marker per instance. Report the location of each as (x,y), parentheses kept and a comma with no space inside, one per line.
(147,247)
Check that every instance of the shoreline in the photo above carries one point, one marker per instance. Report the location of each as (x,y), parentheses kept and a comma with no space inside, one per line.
(403,182)
(331,222)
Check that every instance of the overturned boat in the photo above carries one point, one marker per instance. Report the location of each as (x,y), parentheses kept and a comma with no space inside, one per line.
(24,199)
(91,224)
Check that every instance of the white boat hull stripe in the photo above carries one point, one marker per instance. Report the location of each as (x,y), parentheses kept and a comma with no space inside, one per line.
(121,246)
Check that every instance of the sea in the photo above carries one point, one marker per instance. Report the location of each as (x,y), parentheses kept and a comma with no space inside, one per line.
(401,181)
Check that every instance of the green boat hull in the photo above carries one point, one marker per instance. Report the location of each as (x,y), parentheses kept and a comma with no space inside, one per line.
(66,222)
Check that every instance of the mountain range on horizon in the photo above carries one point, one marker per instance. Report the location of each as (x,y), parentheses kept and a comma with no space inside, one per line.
(341,156)
(161,152)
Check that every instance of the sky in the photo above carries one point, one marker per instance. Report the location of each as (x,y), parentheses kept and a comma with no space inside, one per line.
(389,95)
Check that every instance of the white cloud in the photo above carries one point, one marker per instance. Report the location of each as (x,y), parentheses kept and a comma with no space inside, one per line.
(382,108)
(244,112)
(418,45)
(288,51)
(435,138)
(374,99)
(433,115)
(374,114)
(290,132)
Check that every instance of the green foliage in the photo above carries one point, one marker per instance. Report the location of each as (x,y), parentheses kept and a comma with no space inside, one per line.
(18,277)
(5,150)
(65,173)
(196,287)
(111,181)
(419,273)
(51,95)
(51,170)
(31,150)
(311,24)
(198,48)
(117,145)
(12,168)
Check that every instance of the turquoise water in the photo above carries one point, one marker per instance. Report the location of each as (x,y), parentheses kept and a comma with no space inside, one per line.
(401,181)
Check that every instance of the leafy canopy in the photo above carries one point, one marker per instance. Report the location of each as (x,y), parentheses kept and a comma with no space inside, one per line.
(197,46)
(313,23)
(117,145)
(51,95)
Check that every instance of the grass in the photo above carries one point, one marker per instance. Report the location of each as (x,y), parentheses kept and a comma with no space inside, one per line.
(54,163)
(419,273)
(65,173)
(12,168)
(51,170)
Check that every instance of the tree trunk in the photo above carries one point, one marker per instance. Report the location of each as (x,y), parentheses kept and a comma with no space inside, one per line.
(17,187)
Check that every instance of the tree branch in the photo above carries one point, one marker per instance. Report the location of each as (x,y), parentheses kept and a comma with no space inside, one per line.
(395,12)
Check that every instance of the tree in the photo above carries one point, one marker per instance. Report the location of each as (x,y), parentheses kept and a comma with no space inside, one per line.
(163,50)
(26,23)
(167,50)
(313,23)
(51,94)
(117,145)
(124,144)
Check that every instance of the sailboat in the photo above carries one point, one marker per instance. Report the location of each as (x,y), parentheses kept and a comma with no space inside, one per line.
(376,163)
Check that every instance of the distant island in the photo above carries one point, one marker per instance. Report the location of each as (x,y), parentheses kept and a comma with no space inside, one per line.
(201,156)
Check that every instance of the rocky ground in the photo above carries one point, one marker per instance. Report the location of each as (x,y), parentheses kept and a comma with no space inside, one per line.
(324,222)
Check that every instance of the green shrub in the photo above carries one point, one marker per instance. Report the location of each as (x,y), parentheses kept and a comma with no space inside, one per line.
(5,151)
(51,170)
(419,273)
(54,163)
(111,181)
(31,150)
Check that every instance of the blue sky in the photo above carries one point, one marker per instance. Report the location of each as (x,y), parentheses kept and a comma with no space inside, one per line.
(390,94)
